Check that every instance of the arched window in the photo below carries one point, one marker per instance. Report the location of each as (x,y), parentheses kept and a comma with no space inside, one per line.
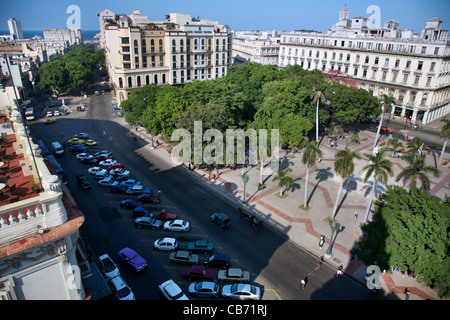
(147,80)
(138,81)
(156,79)
(120,83)
(130,82)
(135,43)
(164,78)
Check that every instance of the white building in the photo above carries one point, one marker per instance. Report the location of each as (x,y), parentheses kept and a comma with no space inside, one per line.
(259,47)
(171,52)
(15,28)
(414,69)
(64,35)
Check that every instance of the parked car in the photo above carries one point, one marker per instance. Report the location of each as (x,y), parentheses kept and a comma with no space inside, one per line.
(147,222)
(75,140)
(241,291)
(84,155)
(108,182)
(124,178)
(108,267)
(206,289)
(95,170)
(142,212)
(138,190)
(105,153)
(107,163)
(56,113)
(198,273)
(132,258)
(217,260)
(83,181)
(90,142)
(233,275)
(120,289)
(78,148)
(118,172)
(129,183)
(118,189)
(200,246)
(148,198)
(82,135)
(166,244)
(183,257)
(101,175)
(49,114)
(116,166)
(91,162)
(221,219)
(164,215)
(130,204)
(102,157)
(177,225)
(171,291)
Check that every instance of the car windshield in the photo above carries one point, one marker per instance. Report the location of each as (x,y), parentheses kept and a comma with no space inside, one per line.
(199,285)
(109,265)
(125,291)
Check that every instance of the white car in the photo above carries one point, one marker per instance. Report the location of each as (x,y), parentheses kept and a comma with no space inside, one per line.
(167,243)
(177,225)
(81,135)
(84,156)
(56,113)
(119,172)
(204,289)
(107,163)
(49,114)
(108,267)
(120,289)
(95,170)
(171,291)
(241,291)
(108,182)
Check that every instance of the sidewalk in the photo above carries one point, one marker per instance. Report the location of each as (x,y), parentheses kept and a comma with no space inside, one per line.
(305,227)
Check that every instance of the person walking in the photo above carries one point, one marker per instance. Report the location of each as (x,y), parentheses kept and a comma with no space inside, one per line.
(322,241)
(319,262)
(356,216)
(407,294)
(339,271)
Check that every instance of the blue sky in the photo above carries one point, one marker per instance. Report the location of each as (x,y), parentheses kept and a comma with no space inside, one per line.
(281,15)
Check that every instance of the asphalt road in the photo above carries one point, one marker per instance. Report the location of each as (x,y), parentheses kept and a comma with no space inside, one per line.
(275,263)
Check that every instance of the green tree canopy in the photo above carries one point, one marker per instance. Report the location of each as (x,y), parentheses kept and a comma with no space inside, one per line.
(410,230)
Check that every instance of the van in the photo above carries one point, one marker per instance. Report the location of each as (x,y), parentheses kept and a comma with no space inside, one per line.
(57,148)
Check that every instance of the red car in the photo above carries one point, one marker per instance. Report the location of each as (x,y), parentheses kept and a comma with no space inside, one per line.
(116,166)
(148,198)
(102,157)
(164,215)
(198,273)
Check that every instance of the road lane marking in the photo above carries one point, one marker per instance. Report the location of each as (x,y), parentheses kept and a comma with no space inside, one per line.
(273,292)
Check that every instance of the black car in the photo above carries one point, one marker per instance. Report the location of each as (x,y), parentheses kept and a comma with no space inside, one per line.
(221,219)
(217,260)
(92,161)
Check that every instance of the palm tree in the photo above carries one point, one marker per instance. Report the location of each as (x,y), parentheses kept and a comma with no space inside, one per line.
(416,145)
(318,97)
(445,133)
(310,155)
(386,103)
(417,170)
(380,168)
(283,179)
(344,166)
(396,143)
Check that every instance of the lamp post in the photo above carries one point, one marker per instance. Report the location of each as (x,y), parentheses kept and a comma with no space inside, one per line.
(334,228)
(245,179)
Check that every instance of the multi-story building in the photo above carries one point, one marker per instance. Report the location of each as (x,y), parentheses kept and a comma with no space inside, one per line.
(171,52)
(41,255)
(259,47)
(412,68)
(15,28)
(70,36)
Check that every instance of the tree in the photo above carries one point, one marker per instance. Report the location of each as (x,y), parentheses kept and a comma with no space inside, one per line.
(283,179)
(395,143)
(380,169)
(318,97)
(416,147)
(409,231)
(386,103)
(310,154)
(344,166)
(445,133)
(417,170)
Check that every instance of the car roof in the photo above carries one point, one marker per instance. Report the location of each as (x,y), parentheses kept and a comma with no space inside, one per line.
(168,239)
(172,288)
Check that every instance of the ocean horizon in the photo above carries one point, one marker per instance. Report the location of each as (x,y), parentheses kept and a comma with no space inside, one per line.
(88,35)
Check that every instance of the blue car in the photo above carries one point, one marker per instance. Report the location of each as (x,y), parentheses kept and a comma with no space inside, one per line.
(130,204)
(130,183)
(78,148)
(138,190)
(142,212)
(118,189)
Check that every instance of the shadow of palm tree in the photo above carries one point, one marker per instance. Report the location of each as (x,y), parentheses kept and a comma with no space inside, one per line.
(295,186)
(350,184)
(379,189)
(322,175)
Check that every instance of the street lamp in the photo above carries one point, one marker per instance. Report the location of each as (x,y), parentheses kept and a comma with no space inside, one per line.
(245,179)
(334,228)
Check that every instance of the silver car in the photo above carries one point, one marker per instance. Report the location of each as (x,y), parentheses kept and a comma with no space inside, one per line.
(204,289)
(241,291)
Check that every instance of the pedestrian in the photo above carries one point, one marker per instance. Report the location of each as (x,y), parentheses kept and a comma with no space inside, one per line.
(407,294)
(355,217)
(339,271)
(303,283)
(319,262)
(104,133)
(322,241)
(159,193)
(332,144)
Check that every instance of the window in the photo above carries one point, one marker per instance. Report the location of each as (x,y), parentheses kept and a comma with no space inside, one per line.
(405,77)
(386,62)
(436,50)
(126,57)
(420,65)
(417,79)
(376,60)
(120,83)
(397,63)
(408,64)
(433,65)
(125,40)
(429,81)
(130,82)
(367,59)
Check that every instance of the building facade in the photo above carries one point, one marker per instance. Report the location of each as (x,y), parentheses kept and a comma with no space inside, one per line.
(412,68)
(171,52)
(256,47)
(15,28)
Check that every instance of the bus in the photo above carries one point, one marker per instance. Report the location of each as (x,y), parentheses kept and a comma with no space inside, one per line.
(59,171)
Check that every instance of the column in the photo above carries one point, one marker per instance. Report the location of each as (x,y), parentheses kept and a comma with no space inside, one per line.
(414,115)
(403,112)
(425,117)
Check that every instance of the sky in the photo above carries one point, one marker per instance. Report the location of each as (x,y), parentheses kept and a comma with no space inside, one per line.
(267,15)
